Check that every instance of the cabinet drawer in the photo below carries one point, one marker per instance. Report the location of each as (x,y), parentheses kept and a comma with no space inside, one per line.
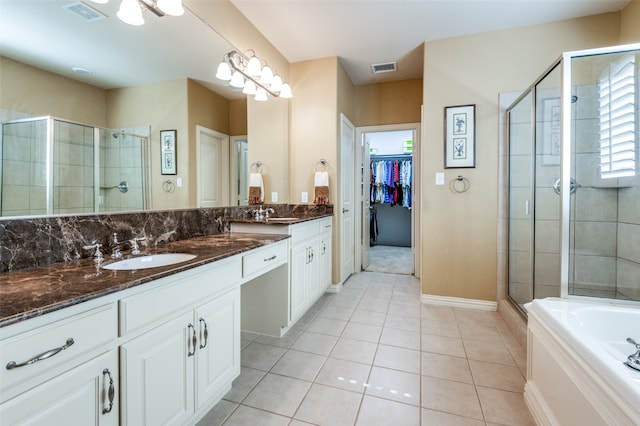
(325,224)
(170,295)
(63,341)
(304,231)
(264,259)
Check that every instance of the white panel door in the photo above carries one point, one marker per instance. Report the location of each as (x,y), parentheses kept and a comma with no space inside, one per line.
(157,375)
(218,355)
(347,196)
(213,168)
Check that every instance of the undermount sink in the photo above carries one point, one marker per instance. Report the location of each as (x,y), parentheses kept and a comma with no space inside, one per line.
(148,261)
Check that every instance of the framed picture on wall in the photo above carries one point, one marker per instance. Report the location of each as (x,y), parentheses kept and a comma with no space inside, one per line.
(460,136)
(168,140)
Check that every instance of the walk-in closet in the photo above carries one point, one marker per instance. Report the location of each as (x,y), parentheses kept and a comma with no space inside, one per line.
(391,197)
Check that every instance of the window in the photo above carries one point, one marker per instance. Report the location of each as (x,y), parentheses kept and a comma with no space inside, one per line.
(616,90)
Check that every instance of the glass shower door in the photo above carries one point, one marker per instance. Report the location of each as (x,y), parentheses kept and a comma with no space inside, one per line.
(547,211)
(520,202)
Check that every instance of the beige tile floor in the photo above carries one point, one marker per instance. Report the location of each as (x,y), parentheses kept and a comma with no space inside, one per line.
(374,355)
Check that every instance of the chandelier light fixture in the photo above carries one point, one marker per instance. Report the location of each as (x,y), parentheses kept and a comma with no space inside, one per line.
(247,73)
(130,11)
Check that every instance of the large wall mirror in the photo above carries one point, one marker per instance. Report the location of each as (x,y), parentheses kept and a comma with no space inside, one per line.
(84,98)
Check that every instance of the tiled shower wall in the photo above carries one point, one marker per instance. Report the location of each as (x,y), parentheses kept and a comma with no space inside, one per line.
(73,177)
(23,169)
(121,159)
(605,237)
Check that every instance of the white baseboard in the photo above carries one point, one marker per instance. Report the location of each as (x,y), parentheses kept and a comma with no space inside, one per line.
(334,288)
(458,302)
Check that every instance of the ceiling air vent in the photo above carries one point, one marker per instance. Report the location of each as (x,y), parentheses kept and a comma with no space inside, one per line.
(386,67)
(84,11)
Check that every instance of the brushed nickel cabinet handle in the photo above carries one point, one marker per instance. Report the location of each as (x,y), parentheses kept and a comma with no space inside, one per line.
(205,333)
(40,357)
(194,341)
(111,393)
(268,259)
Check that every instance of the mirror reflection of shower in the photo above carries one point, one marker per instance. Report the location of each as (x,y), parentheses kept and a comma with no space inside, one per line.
(55,166)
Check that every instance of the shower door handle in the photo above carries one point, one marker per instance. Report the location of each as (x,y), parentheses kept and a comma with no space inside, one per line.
(572,186)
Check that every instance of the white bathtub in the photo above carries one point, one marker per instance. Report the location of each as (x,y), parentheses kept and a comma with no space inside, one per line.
(575,365)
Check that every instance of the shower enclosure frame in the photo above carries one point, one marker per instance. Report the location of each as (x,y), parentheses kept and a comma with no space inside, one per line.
(564,63)
(49,161)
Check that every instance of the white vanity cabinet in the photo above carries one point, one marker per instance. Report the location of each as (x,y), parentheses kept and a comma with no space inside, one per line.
(61,368)
(309,262)
(190,356)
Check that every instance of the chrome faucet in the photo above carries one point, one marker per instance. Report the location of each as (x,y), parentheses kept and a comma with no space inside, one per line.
(135,248)
(268,211)
(97,255)
(116,246)
(258,214)
(633,360)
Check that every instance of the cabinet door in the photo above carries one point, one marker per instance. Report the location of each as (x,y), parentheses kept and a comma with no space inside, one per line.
(218,354)
(157,374)
(312,277)
(78,397)
(300,257)
(325,261)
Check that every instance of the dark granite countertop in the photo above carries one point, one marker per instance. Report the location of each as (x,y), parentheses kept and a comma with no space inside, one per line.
(280,220)
(29,293)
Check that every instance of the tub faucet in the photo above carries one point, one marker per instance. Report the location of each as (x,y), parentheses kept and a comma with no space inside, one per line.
(633,360)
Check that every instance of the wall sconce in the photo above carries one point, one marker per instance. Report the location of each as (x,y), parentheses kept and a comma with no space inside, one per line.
(247,73)
(130,11)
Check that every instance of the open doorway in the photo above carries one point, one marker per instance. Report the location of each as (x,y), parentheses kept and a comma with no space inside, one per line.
(388,196)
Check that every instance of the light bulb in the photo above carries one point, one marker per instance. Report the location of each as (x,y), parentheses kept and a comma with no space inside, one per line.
(286,92)
(249,88)
(266,77)
(224,71)
(130,12)
(261,95)
(276,84)
(171,7)
(237,80)
(253,67)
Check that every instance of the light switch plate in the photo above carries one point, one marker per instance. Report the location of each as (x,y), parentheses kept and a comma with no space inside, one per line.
(179,182)
(304,198)
(274,197)
(439,178)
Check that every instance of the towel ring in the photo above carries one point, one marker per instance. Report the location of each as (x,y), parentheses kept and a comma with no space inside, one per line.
(167,186)
(322,163)
(460,184)
(256,167)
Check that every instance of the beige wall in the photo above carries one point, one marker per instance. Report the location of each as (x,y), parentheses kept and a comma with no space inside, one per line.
(164,107)
(388,103)
(238,117)
(313,124)
(459,231)
(27,89)
(630,23)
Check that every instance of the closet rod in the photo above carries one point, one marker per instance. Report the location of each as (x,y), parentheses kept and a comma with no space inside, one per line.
(391,157)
